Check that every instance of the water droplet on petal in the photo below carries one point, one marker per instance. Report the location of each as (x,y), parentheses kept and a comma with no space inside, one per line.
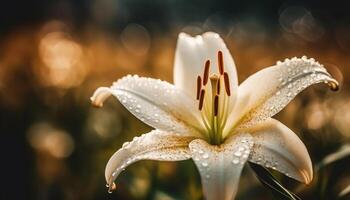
(125,144)
(238,153)
(235,161)
(111,188)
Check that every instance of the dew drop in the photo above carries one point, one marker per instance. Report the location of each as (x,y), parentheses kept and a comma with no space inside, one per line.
(205,164)
(125,144)
(205,155)
(238,153)
(111,188)
(235,161)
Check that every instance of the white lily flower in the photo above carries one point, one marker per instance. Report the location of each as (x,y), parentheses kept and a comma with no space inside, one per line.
(206,116)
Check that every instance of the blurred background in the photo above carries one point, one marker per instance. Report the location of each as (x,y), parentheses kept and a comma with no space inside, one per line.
(55,53)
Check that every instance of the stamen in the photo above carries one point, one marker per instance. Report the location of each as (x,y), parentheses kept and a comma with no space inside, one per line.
(206,72)
(201,99)
(227,84)
(199,86)
(218,88)
(221,62)
(216,105)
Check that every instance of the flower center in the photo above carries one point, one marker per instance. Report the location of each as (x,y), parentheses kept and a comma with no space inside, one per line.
(213,100)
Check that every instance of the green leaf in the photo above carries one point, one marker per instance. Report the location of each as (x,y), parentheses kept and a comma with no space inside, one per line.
(343,152)
(344,192)
(276,188)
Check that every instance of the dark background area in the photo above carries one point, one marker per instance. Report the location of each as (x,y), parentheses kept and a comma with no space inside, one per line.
(54,145)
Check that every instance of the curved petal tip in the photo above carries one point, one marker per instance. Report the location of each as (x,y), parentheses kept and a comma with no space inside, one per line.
(100,95)
(333,84)
(206,34)
(111,188)
(307,174)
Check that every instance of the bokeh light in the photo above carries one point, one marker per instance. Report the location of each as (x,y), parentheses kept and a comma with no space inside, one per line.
(54,54)
(43,137)
(62,59)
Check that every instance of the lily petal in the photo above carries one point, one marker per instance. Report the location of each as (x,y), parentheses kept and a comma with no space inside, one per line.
(190,56)
(268,91)
(220,166)
(279,148)
(155,145)
(155,102)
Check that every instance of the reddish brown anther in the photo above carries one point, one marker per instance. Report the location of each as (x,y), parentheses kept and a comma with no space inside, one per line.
(199,86)
(221,62)
(216,105)
(227,84)
(206,72)
(201,99)
(218,87)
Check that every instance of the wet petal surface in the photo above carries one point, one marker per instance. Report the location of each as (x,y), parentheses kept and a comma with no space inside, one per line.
(155,102)
(155,145)
(191,55)
(220,166)
(279,148)
(268,91)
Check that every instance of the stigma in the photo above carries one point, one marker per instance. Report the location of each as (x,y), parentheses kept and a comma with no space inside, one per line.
(213,92)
